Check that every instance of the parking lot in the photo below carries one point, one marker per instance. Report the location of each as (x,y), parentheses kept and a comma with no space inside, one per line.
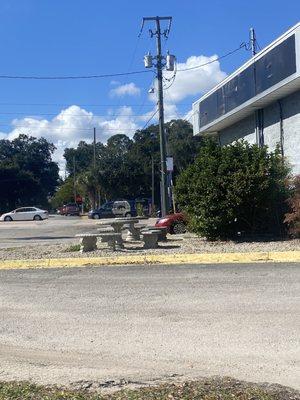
(55,230)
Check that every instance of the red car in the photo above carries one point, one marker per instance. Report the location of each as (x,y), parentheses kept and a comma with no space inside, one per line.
(175,223)
(69,209)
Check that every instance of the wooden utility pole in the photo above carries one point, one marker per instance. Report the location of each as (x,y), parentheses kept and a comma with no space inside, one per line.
(162,135)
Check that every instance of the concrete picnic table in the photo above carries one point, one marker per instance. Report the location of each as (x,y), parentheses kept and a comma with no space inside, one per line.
(118,224)
(133,232)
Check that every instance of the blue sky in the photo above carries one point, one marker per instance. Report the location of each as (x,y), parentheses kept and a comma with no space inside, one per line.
(76,37)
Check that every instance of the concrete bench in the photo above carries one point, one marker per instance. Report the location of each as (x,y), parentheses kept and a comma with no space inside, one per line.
(150,239)
(105,229)
(113,240)
(162,232)
(88,241)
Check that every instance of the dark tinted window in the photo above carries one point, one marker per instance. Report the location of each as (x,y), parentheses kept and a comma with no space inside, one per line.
(209,109)
(276,65)
(239,89)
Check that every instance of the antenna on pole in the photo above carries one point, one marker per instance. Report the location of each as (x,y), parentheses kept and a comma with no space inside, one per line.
(253,42)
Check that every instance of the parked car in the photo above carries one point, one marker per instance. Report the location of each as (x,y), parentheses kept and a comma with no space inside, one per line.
(25,214)
(111,209)
(124,208)
(105,211)
(69,209)
(175,223)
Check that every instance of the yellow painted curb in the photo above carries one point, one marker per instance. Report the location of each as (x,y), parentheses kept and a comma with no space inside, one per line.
(198,258)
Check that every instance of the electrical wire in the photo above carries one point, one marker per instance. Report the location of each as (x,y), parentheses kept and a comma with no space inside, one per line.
(77,104)
(152,116)
(74,77)
(60,129)
(70,114)
(242,46)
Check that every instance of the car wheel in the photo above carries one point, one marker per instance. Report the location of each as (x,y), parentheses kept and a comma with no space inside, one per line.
(128,214)
(7,219)
(37,218)
(96,216)
(178,228)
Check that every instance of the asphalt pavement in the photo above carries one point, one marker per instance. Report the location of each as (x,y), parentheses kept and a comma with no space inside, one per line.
(55,230)
(141,323)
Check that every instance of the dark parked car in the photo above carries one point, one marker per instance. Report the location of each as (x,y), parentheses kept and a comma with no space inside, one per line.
(175,223)
(105,211)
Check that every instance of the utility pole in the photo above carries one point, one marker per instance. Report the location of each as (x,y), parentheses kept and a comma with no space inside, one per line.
(253,43)
(258,113)
(94,169)
(74,178)
(159,66)
(152,183)
(94,144)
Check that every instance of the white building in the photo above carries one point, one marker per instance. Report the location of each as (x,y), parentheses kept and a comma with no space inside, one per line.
(259,102)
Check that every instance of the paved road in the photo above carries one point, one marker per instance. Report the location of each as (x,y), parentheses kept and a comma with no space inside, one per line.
(51,231)
(55,230)
(141,323)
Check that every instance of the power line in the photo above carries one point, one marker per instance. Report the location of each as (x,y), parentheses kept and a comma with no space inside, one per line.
(32,115)
(74,77)
(152,116)
(60,129)
(242,46)
(77,104)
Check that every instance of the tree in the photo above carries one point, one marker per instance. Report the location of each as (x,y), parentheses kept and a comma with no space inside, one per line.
(235,188)
(123,165)
(27,173)
(64,194)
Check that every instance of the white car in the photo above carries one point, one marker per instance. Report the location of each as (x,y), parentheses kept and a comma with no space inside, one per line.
(25,214)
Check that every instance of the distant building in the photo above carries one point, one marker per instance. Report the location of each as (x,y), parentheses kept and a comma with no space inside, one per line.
(259,102)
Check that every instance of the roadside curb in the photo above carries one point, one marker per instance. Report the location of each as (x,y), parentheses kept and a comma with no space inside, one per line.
(197,258)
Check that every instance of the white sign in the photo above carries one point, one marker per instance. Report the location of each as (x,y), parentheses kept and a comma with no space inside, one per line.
(170,164)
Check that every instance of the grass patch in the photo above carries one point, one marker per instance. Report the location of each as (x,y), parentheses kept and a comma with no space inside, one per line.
(209,389)
(73,247)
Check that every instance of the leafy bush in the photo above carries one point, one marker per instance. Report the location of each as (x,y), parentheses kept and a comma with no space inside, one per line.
(234,188)
(292,219)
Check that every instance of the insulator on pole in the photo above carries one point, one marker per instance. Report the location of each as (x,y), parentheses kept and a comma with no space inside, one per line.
(170,62)
(148,60)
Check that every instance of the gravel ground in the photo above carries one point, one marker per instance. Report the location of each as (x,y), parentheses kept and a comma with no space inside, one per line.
(209,389)
(187,243)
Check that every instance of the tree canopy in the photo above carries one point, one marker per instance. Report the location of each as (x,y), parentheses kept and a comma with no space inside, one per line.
(123,165)
(28,176)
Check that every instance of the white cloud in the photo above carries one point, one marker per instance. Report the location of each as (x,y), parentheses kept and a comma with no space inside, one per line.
(194,81)
(72,125)
(188,83)
(129,89)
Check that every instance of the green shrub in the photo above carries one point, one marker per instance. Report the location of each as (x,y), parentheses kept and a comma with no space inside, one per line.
(292,218)
(234,188)
(140,210)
